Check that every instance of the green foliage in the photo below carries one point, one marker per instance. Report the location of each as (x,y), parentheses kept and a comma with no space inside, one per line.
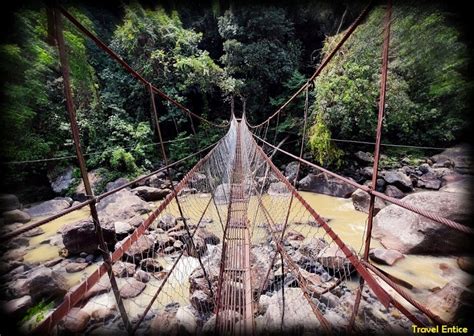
(260,52)
(324,151)
(38,312)
(426,91)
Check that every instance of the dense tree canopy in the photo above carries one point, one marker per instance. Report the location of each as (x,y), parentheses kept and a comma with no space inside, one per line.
(426,88)
(204,54)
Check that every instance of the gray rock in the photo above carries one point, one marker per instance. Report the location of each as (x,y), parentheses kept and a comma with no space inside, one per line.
(44,283)
(140,249)
(150,265)
(80,236)
(150,194)
(393,191)
(17,307)
(408,232)
(424,168)
(301,318)
(104,314)
(208,236)
(384,256)
(329,299)
(122,228)
(74,267)
(459,155)
(142,276)
(198,181)
(123,269)
(15,216)
(429,181)
(466,263)
(453,300)
(76,320)
(202,302)
(278,189)
(325,184)
(361,201)
(333,258)
(312,247)
(364,157)
(9,202)
(167,222)
(94,179)
(116,184)
(62,182)
(34,232)
(49,208)
(398,179)
(122,206)
(132,288)
(291,170)
(367,172)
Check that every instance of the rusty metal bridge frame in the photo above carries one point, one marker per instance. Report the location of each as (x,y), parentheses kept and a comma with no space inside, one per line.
(235,262)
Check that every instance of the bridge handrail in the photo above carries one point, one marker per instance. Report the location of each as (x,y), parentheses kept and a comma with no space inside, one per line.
(405,205)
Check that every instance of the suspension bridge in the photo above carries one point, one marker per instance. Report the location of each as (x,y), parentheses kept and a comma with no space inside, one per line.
(255,256)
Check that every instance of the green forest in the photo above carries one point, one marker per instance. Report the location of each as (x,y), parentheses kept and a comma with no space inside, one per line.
(207,54)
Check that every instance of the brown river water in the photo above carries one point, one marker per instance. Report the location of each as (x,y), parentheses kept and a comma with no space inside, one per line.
(424,273)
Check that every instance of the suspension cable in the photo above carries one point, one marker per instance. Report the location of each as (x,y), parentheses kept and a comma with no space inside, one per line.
(323,64)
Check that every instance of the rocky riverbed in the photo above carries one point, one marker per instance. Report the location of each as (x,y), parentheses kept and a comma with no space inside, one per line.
(431,262)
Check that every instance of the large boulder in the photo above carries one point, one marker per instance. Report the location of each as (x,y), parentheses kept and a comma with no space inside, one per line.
(298,315)
(167,221)
(17,307)
(291,170)
(312,247)
(150,194)
(123,269)
(202,302)
(61,182)
(459,155)
(44,283)
(94,179)
(394,192)
(197,280)
(81,236)
(398,179)
(9,202)
(140,249)
(325,184)
(384,256)
(361,201)
(15,216)
(278,189)
(408,232)
(429,181)
(122,206)
(208,236)
(174,321)
(260,262)
(121,181)
(198,181)
(49,208)
(131,288)
(333,258)
(364,157)
(454,301)
(76,321)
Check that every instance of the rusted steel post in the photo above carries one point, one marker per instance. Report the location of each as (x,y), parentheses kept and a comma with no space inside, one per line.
(82,165)
(378,140)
